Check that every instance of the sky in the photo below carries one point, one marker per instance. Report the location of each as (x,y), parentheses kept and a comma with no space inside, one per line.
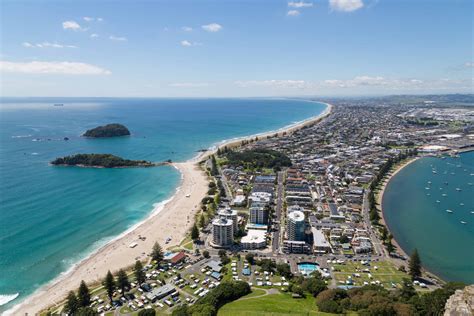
(235,48)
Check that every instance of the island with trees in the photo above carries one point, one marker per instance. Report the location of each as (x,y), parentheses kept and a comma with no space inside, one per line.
(109,130)
(100,161)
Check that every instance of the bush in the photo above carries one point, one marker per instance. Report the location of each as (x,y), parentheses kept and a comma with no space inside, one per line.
(330,307)
(147,312)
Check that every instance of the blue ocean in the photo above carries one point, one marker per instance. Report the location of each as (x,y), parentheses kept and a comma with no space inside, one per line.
(429,205)
(52,217)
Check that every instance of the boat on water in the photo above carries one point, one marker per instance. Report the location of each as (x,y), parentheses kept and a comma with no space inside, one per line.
(427,188)
(458,189)
(462,204)
(463,222)
(444,194)
(449,211)
(58,104)
(438,201)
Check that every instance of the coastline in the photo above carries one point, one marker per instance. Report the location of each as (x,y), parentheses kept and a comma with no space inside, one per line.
(176,215)
(236,142)
(379,199)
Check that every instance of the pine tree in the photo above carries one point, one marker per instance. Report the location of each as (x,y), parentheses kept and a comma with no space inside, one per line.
(83,295)
(122,281)
(415,265)
(202,221)
(157,253)
(109,284)
(139,274)
(195,233)
(72,304)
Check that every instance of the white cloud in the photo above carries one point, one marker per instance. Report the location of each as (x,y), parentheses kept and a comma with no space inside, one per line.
(187,28)
(94,35)
(71,25)
(118,38)
(213,27)
(469,64)
(52,67)
(47,45)
(300,4)
(187,43)
(346,5)
(293,13)
(189,84)
(299,84)
(91,19)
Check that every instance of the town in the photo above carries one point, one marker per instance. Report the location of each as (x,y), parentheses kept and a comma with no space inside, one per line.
(296,212)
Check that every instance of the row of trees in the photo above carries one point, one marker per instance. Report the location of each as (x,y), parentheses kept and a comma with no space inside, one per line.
(224,293)
(79,304)
(375,300)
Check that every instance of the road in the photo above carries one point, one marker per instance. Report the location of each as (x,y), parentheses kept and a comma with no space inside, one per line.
(278,210)
(378,246)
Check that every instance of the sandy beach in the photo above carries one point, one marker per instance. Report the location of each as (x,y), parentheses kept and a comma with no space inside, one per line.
(379,197)
(173,219)
(236,142)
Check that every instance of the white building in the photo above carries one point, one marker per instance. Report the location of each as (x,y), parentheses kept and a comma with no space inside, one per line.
(254,239)
(296,226)
(222,232)
(229,214)
(320,243)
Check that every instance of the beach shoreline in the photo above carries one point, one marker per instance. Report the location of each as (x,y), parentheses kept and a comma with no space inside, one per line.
(379,199)
(175,214)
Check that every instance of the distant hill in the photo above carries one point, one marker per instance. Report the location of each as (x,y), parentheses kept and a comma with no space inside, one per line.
(109,130)
(99,160)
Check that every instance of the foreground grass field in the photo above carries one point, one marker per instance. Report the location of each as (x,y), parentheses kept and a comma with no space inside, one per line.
(271,304)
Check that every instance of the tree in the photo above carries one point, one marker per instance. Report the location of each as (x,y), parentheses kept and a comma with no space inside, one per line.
(314,285)
(83,295)
(157,253)
(109,284)
(72,304)
(407,291)
(122,280)
(343,239)
(250,258)
(195,233)
(202,220)
(284,270)
(86,311)
(139,274)
(205,253)
(222,253)
(415,265)
(147,312)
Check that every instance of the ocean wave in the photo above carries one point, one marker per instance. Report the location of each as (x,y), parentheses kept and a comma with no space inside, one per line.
(5,298)
(22,136)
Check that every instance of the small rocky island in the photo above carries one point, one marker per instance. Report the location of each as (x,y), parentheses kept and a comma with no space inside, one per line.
(100,161)
(109,130)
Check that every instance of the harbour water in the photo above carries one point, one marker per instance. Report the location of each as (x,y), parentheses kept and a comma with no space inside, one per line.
(52,217)
(429,205)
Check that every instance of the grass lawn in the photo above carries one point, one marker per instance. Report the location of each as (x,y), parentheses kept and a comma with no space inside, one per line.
(272,304)
(386,273)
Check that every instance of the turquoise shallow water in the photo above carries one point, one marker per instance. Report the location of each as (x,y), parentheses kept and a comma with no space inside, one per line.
(415,211)
(51,217)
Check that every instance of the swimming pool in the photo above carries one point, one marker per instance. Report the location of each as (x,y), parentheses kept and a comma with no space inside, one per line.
(307,267)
